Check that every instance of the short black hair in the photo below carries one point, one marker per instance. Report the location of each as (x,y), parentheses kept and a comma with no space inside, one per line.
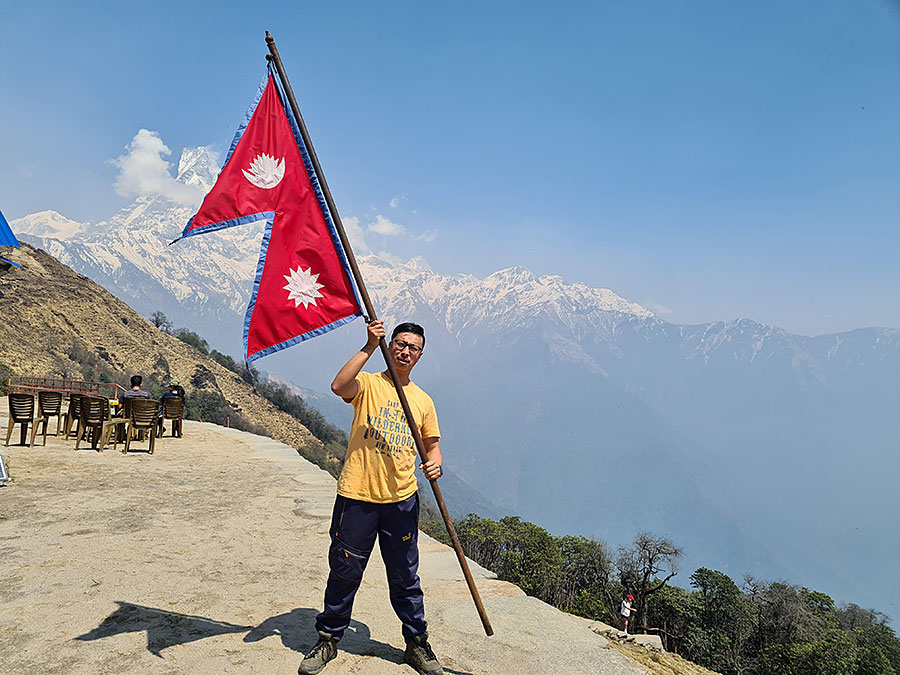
(407,327)
(136,380)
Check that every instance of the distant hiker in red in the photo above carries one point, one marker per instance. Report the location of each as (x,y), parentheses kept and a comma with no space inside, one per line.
(377,497)
(626,609)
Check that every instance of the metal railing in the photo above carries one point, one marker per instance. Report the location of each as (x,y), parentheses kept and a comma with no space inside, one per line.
(28,384)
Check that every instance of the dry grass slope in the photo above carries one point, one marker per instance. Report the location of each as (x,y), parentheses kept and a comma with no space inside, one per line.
(46,306)
(659,663)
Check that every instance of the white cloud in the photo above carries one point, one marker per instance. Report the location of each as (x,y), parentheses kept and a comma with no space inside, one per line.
(390,257)
(395,202)
(143,171)
(656,307)
(427,236)
(385,227)
(356,235)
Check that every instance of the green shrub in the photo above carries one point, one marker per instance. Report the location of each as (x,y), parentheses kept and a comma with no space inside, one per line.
(5,373)
(211,406)
(286,400)
(191,338)
(248,374)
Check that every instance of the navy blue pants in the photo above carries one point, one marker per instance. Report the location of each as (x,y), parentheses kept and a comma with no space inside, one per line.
(354,526)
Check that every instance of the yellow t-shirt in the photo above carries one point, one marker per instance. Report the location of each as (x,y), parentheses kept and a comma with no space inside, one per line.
(381,454)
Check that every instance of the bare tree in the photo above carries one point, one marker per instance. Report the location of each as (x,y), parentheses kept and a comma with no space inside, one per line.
(159,320)
(645,567)
(788,613)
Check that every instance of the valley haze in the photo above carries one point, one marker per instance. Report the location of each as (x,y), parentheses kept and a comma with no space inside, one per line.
(756,450)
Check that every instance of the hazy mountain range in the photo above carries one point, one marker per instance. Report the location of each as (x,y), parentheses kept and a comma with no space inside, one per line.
(756,450)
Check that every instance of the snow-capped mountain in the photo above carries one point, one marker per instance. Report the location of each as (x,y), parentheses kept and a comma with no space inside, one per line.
(197,167)
(50,224)
(193,282)
(576,408)
(507,299)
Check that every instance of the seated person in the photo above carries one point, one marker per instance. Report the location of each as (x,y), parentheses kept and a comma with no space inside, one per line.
(175,389)
(135,391)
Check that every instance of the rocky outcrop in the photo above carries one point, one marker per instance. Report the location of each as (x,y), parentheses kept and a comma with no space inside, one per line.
(652,643)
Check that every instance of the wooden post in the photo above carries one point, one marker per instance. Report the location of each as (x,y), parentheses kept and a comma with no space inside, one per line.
(370,312)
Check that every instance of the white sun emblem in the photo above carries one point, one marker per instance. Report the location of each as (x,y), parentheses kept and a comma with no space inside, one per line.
(303,287)
(265,171)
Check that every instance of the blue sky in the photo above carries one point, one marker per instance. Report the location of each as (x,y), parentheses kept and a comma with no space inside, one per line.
(711,160)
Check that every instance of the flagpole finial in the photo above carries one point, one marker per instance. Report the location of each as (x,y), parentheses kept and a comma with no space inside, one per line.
(269,38)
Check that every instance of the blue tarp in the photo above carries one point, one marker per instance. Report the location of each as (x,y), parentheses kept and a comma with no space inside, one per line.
(7,238)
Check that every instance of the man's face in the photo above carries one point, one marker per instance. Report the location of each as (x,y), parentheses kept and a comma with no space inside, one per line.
(406,348)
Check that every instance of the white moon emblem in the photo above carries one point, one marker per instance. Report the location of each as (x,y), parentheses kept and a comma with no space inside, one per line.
(302,287)
(265,171)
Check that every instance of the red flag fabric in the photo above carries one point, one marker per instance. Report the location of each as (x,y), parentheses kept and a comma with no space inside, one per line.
(302,286)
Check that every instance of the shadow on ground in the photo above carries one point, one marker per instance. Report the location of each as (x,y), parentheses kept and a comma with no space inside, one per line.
(164,629)
(295,628)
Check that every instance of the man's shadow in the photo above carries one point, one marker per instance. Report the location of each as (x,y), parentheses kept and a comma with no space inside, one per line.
(297,632)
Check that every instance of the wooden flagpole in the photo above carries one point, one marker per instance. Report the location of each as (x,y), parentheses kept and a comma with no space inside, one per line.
(370,311)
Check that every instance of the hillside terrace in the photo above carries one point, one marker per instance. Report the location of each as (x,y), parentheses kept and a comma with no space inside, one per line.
(210,557)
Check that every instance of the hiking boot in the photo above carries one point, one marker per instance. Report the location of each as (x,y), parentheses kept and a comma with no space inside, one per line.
(319,656)
(419,656)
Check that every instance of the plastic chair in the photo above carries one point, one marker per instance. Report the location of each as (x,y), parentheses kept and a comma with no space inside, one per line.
(172,409)
(144,417)
(49,405)
(21,411)
(73,415)
(93,416)
(126,415)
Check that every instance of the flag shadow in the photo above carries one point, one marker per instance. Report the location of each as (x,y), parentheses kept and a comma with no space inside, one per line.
(164,628)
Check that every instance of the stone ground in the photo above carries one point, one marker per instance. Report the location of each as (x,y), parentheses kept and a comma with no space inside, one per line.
(209,556)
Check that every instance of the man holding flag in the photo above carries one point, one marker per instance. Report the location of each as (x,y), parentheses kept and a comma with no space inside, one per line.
(302,289)
(378,497)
